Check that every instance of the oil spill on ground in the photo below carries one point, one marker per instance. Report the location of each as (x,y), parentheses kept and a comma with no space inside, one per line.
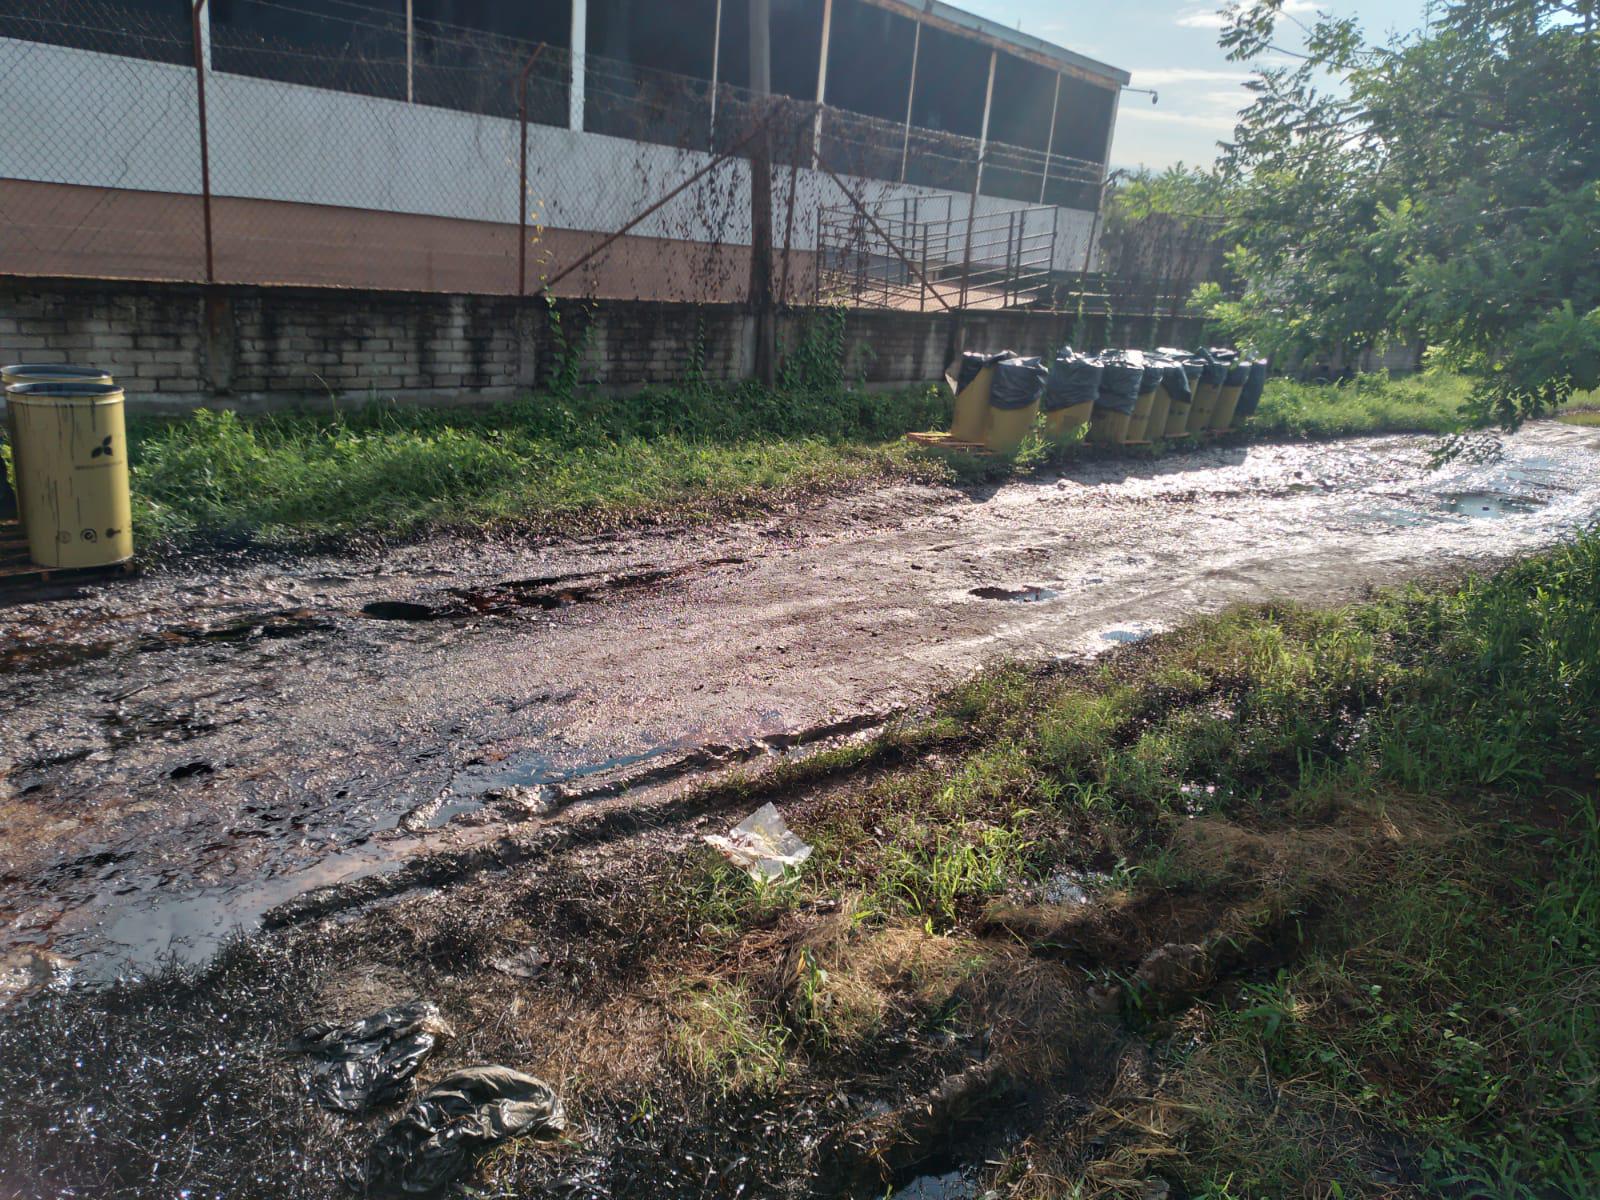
(1027,594)
(22,653)
(546,592)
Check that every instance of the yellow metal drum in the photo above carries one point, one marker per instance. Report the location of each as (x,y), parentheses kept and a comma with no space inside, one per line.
(1061,425)
(971,418)
(74,487)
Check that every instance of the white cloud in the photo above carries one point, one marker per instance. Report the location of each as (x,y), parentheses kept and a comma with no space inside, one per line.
(1216,122)
(1213,18)
(1169,76)
(1202,18)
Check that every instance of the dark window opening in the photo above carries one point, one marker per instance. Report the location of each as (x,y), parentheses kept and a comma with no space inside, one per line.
(470,56)
(796,46)
(1083,119)
(1023,95)
(649,69)
(349,48)
(158,30)
(869,60)
(952,77)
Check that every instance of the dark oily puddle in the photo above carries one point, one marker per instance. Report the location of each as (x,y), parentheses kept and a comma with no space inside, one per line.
(41,652)
(545,592)
(1025,594)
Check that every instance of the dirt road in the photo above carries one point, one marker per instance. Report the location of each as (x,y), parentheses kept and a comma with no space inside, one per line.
(185,752)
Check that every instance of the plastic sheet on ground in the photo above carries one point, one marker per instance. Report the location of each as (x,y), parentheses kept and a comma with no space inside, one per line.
(1074,379)
(369,1063)
(467,1112)
(762,844)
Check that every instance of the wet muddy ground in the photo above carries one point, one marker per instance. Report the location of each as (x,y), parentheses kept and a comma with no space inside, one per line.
(192,752)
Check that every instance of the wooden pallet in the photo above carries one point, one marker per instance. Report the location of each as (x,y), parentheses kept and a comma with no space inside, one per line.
(17,570)
(934,440)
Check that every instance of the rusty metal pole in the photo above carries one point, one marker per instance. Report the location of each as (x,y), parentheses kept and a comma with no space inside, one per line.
(205,141)
(761,192)
(522,171)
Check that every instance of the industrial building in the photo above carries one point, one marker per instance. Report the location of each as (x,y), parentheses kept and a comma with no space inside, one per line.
(413,144)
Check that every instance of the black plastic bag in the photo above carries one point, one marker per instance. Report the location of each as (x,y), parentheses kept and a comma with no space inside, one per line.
(1073,379)
(454,1121)
(1250,397)
(1119,381)
(973,361)
(1176,379)
(1017,383)
(1238,375)
(368,1063)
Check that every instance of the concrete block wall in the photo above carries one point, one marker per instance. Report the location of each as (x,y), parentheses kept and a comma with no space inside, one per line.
(180,346)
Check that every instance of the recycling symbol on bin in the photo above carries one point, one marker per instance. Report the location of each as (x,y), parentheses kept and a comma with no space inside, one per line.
(103,448)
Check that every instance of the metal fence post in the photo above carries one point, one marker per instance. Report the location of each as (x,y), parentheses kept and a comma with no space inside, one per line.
(522,172)
(205,141)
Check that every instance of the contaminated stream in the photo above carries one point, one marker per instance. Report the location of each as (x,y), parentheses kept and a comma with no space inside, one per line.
(185,753)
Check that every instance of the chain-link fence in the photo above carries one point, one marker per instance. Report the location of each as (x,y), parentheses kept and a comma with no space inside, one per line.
(158,143)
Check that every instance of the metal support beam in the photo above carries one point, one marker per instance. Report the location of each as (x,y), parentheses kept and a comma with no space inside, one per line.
(202,67)
(1105,178)
(411,56)
(911,96)
(578,39)
(977,179)
(716,67)
(822,79)
(988,105)
(1050,142)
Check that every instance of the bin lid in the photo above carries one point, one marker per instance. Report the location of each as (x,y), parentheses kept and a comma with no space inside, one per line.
(88,390)
(22,371)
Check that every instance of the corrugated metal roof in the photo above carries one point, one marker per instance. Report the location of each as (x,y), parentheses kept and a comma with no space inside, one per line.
(935,12)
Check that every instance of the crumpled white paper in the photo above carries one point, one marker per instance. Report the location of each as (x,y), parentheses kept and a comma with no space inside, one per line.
(762,844)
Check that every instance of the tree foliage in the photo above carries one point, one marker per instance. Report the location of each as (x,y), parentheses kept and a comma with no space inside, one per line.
(1442,186)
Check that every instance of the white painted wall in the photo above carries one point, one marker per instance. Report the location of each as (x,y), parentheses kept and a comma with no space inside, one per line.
(81,117)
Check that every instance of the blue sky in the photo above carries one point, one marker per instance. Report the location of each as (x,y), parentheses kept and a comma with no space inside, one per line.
(1171,46)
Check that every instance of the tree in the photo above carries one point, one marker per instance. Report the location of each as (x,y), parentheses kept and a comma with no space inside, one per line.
(1444,186)
(1163,238)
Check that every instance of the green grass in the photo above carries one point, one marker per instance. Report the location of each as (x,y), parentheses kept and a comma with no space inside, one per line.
(1425,403)
(1444,998)
(548,463)
(576,461)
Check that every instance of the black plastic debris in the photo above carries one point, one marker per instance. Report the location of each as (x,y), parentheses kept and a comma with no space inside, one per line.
(1074,379)
(441,1135)
(369,1063)
(1017,383)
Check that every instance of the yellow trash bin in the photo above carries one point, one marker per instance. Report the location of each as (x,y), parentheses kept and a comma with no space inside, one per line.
(40,373)
(1228,397)
(1161,407)
(75,503)
(1119,392)
(1013,403)
(973,382)
(1206,391)
(1069,393)
(1144,405)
